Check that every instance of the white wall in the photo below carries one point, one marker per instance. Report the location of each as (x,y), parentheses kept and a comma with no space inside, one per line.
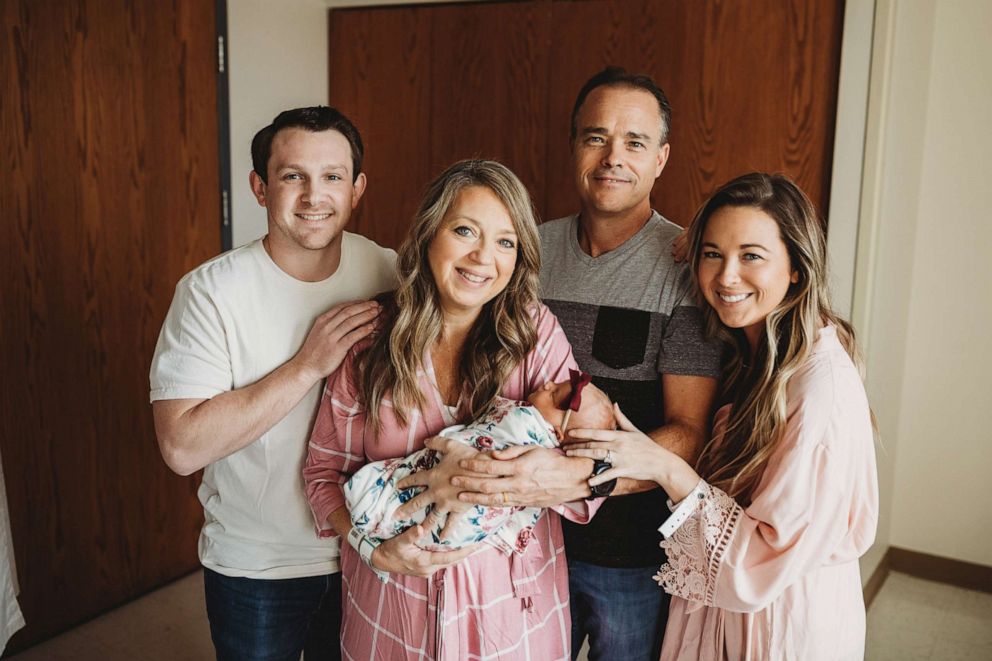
(942,502)
(849,145)
(894,151)
(923,286)
(277,59)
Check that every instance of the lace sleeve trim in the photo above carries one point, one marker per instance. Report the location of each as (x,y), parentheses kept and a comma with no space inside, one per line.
(697,548)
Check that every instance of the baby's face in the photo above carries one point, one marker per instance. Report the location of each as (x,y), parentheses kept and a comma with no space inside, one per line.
(550,399)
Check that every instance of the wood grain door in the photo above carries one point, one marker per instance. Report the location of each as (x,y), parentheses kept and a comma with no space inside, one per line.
(416,80)
(108,122)
(753,85)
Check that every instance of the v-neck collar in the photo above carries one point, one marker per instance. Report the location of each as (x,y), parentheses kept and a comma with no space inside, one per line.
(431,374)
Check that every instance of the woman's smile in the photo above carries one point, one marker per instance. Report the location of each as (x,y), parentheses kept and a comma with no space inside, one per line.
(473,278)
(731,299)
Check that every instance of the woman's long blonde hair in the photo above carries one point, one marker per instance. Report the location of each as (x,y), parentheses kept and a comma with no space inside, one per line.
(500,338)
(756,384)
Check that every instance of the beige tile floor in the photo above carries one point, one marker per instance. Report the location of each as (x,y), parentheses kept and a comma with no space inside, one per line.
(910,620)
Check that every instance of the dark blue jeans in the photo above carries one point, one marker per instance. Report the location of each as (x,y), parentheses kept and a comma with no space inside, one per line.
(274,620)
(623,611)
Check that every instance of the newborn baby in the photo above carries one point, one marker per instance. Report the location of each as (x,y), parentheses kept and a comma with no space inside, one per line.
(373,498)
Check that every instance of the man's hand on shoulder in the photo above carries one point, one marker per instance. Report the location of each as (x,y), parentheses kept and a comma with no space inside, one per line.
(680,247)
(333,334)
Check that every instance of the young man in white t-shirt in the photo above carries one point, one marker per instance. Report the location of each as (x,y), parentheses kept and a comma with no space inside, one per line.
(236,379)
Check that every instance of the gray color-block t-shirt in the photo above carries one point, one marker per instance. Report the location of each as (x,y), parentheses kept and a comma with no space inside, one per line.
(630,317)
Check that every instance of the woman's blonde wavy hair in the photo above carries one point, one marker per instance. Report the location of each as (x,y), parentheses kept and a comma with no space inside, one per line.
(755,385)
(500,338)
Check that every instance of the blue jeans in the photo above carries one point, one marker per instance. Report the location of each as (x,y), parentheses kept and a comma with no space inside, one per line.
(274,620)
(623,611)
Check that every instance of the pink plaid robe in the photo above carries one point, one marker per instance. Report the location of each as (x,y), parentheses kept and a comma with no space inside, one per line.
(489,605)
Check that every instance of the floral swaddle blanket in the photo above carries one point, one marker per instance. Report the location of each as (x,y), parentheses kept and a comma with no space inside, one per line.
(372,496)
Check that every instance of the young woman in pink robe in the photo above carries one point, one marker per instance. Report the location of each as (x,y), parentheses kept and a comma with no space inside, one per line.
(763,548)
(468,274)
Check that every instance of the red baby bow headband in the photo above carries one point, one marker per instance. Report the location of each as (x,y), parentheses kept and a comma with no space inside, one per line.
(579,381)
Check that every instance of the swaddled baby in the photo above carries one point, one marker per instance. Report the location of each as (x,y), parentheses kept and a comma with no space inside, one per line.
(373,498)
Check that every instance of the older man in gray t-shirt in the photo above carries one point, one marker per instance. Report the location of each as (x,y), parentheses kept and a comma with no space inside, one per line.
(627,309)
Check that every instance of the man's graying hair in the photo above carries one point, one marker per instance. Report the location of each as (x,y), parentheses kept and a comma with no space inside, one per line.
(620,77)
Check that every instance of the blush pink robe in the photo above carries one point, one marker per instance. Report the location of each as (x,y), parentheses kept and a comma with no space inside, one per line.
(488,606)
(780,578)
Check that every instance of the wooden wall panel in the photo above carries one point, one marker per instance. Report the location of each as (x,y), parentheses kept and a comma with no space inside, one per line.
(108,121)
(430,85)
(753,86)
(380,78)
(489,71)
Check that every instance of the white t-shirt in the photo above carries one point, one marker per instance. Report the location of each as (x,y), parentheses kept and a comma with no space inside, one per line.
(233,320)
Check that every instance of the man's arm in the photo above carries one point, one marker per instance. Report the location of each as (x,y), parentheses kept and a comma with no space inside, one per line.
(195,432)
(688,405)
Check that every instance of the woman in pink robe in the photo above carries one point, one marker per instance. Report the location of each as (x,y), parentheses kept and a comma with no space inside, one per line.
(763,548)
(473,254)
